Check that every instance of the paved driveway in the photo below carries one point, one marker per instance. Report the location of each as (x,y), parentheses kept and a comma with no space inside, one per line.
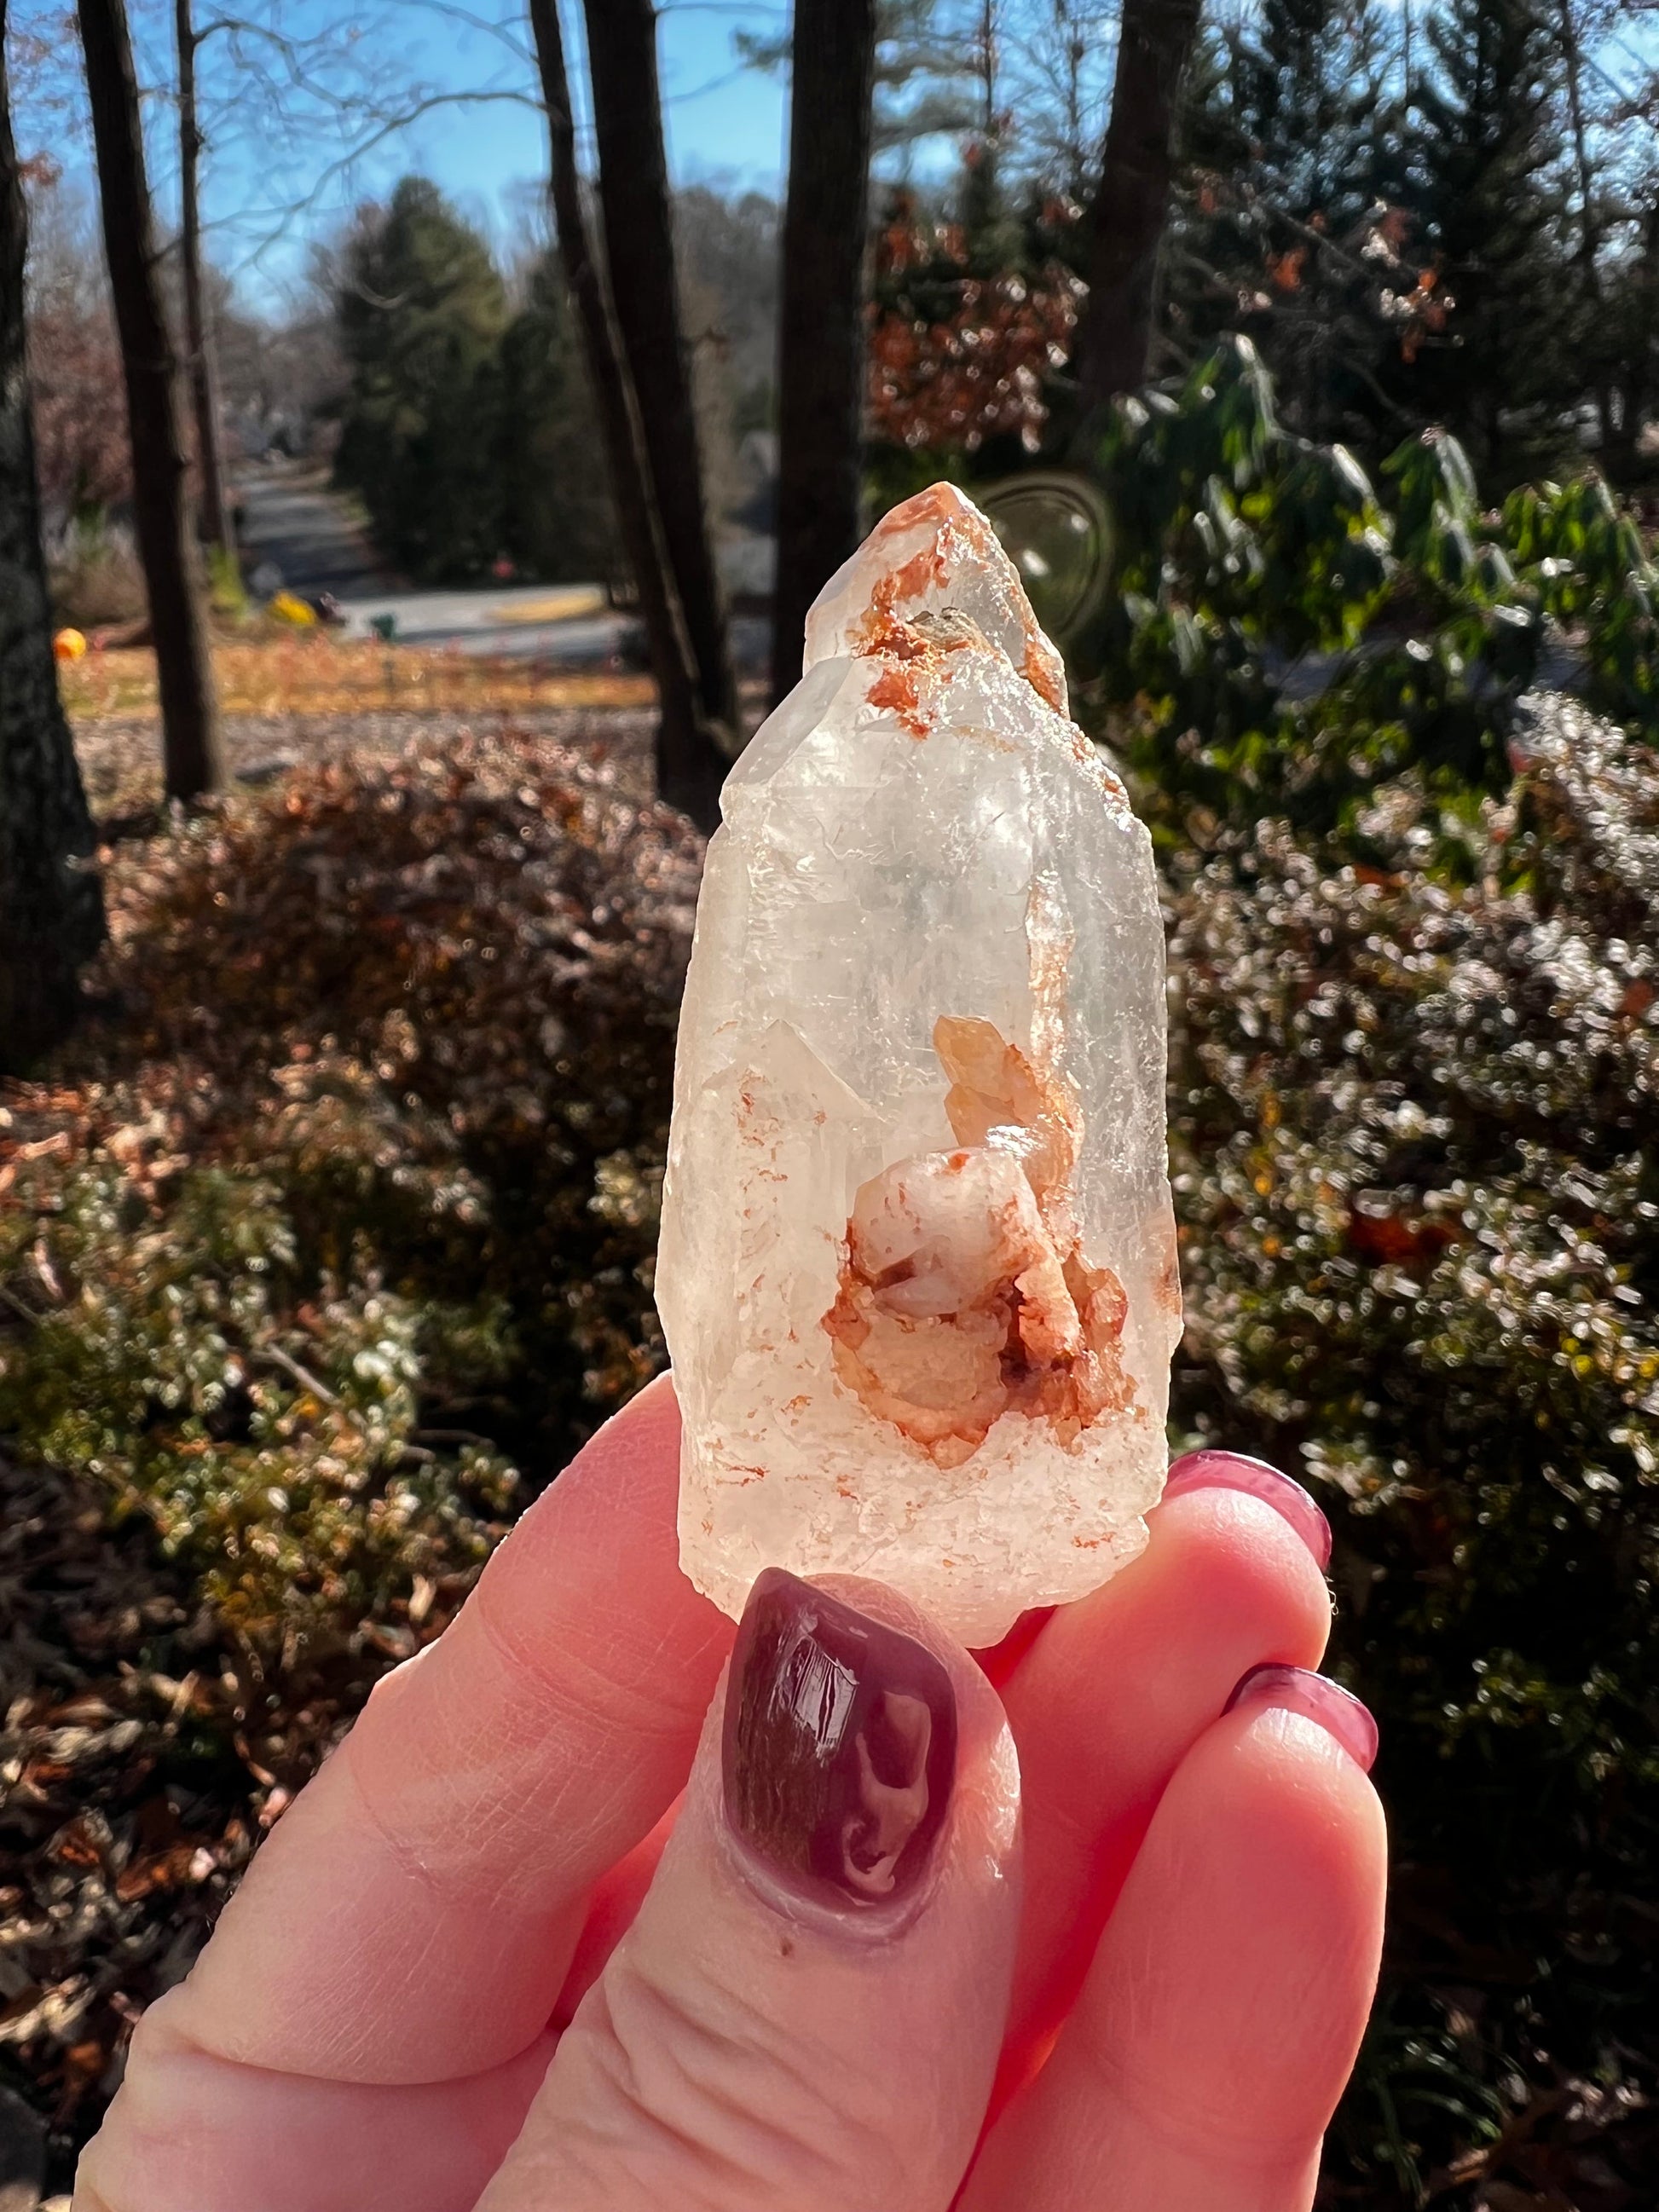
(294,524)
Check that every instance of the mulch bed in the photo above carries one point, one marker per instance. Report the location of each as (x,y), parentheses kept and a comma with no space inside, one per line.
(120,754)
(138,1772)
(136,1782)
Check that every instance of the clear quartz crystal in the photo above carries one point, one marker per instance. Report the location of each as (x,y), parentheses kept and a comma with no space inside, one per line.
(918,1265)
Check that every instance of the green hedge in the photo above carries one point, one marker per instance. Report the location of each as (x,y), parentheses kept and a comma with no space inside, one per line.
(1282,634)
(1413,1135)
(341,1234)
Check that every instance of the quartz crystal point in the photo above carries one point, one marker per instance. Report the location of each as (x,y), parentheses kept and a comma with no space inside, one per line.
(917,1266)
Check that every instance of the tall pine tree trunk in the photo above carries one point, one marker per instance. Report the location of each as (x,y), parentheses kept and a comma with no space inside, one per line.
(51,908)
(1642,344)
(690,763)
(1132,207)
(820,348)
(216,526)
(1587,256)
(639,247)
(193,760)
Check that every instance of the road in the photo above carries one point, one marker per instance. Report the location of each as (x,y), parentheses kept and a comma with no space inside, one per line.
(292,523)
(290,520)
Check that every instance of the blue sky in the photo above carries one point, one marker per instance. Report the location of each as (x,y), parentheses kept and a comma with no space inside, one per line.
(723,120)
(725,123)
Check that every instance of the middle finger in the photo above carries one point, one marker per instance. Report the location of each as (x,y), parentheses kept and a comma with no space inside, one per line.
(1116,1690)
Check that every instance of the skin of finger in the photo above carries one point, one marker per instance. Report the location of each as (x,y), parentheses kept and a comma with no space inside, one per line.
(1223,2007)
(191,2132)
(1110,1699)
(414,1914)
(1225,1584)
(611,1910)
(742,2051)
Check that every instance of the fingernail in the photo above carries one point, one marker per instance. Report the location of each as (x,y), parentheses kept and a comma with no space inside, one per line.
(840,1747)
(1224,1470)
(1337,1710)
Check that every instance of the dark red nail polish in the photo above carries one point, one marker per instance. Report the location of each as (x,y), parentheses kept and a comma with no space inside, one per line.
(1224,1470)
(1337,1710)
(840,1745)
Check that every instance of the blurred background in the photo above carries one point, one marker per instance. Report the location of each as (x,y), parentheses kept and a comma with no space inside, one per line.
(422,431)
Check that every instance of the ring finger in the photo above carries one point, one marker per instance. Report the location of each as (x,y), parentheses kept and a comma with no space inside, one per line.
(1224,2005)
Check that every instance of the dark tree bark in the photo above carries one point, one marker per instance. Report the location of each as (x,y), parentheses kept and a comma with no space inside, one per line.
(1641,344)
(193,759)
(821,342)
(639,246)
(1155,40)
(52,908)
(1587,256)
(216,527)
(690,765)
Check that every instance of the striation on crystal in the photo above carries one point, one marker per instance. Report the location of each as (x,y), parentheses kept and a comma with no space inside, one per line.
(918,1265)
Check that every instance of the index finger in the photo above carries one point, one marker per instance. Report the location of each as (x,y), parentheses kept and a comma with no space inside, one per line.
(412,1916)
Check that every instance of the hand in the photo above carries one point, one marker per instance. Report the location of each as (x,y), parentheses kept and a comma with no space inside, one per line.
(422,1997)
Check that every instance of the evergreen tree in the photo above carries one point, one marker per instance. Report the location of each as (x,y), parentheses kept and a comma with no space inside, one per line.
(422,311)
(1298,170)
(558,518)
(1490,142)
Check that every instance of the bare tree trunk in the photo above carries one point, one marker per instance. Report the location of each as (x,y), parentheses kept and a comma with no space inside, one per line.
(1589,228)
(1155,38)
(639,245)
(51,906)
(986,57)
(216,526)
(820,348)
(192,757)
(1638,376)
(690,763)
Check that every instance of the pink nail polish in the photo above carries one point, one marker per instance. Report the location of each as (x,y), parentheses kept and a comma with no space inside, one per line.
(1224,1470)
(1337,1710)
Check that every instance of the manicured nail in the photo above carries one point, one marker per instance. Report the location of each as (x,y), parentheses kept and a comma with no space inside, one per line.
(840,1746)
(1337,1710)
(1224,1470)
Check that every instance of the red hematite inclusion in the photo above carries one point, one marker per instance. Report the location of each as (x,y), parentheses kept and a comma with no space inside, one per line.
(964,1294)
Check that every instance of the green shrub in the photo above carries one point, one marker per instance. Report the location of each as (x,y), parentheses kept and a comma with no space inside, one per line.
(94,577)
(348,1218)
(298,1491)
(1414,1134)
(1282,634)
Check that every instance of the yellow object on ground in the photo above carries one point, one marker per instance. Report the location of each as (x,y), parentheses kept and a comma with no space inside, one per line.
(69,645)
(556,606)
(287,609)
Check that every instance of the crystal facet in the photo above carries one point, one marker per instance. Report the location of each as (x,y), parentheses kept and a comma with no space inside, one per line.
(917,1266)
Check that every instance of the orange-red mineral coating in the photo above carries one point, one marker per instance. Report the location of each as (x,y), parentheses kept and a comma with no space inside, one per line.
(964,1293)
(965,540)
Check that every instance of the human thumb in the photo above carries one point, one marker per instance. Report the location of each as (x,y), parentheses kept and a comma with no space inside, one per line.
(807,2010)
